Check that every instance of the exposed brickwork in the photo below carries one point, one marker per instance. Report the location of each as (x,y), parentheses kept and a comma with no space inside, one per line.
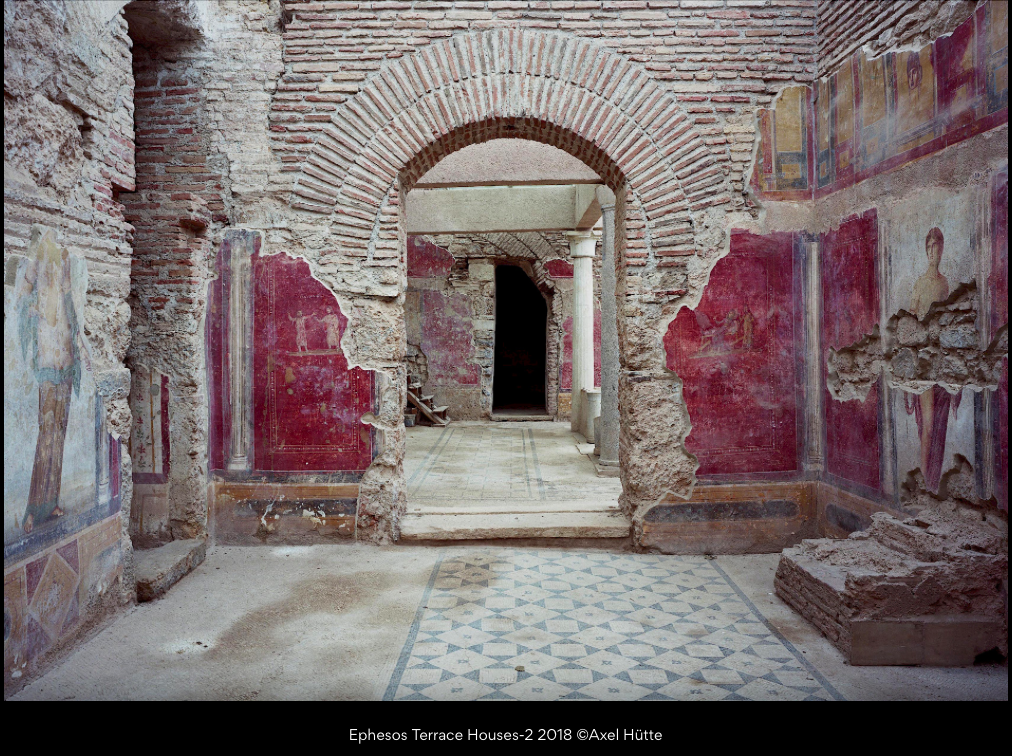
(845,26)
(197,100)
(719,58)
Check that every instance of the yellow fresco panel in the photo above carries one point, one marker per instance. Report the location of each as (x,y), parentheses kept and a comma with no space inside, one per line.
(822,111)
(790,124)
(873,91)
(845,103)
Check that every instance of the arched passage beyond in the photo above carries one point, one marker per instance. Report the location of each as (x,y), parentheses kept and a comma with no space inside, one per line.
(567,92)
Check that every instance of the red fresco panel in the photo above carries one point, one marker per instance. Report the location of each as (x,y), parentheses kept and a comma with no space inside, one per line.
(308,404)
(999,319)
(217,367)
(559,269)
(566,369)
(737,357)
(447,339)
(426,260)
(958,75)
(851,310)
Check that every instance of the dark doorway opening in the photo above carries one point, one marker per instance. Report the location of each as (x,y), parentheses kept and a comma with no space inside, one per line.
(521,342)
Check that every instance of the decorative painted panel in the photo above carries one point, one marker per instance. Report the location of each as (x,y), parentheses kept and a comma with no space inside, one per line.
(934,242)
(737,355)
(851,310)
(874,115)
(447,335)
(149,439)
(305,402)
(308,402)
(426,260)
(57,454)
(784,165)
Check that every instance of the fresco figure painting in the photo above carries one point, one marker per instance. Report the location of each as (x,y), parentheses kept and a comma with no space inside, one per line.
(52,343)
(932,408)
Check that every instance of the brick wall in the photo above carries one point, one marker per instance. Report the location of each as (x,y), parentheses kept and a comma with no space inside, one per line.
(719,58)
(845,26)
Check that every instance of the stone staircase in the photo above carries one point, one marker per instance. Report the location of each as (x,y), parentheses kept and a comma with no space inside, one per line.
(424,405)
(157,570)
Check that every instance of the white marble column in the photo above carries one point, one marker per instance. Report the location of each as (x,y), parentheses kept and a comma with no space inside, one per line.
(583,246)
(607,450)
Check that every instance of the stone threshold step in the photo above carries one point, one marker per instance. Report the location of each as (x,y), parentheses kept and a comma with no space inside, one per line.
(523,507)
(475,527)
(521,418)
(157,570)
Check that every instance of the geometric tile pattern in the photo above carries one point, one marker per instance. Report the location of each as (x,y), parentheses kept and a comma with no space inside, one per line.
(549,626)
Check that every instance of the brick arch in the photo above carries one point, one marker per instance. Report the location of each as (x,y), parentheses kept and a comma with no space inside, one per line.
(565,91)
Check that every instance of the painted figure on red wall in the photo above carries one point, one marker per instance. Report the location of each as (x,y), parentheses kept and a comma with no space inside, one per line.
(52,343)
(333,325)
(932,408)
(308,401)
(736,354)
(301,334)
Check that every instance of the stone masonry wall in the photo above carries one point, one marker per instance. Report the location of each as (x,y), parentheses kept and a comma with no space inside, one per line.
(658,98)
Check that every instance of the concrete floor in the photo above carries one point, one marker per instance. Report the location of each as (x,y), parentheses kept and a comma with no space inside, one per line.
(346,623)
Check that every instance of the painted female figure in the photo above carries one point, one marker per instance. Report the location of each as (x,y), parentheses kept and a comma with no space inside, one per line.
(52,344)
(933,406)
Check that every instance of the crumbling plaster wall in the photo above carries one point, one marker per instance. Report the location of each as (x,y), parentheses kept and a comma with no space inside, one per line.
(69,164)
(204,77)
(68,148)
(956,347)
(846,26)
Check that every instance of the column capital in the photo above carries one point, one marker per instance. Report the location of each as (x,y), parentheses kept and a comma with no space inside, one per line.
(583,243)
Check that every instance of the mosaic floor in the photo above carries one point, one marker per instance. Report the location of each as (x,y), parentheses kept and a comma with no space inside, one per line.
(547,626)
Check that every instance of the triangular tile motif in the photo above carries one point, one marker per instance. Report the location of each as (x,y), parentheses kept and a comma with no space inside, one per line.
(550,626)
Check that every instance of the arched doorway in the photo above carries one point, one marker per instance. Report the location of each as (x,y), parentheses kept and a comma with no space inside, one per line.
(574,94)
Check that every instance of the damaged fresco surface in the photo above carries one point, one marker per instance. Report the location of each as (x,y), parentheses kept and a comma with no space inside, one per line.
(61,468)
(451,307)
(307,401)
(737,355)
(934,244)
(874,115)
(851,310)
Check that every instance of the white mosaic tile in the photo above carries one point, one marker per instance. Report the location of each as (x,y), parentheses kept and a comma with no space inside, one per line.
(546,626)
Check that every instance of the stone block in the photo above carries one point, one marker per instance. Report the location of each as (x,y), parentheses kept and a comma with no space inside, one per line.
(927,591)
(157,570)
(948,641)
